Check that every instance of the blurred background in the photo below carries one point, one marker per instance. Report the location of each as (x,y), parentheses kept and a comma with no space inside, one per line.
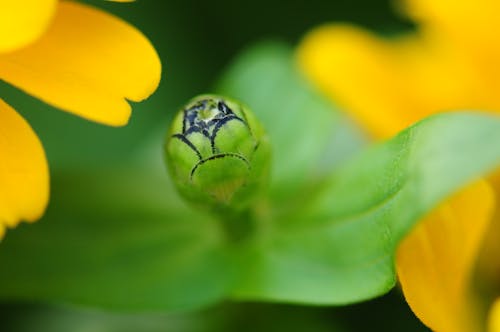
(196,41)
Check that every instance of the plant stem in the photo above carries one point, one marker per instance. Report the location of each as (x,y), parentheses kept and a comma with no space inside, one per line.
(237,225)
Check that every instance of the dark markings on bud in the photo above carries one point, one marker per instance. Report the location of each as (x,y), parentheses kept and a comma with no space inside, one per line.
(191,114)
(182,138)
(218,156)
(194,123)
(221,106)
(219,125)
(256,147)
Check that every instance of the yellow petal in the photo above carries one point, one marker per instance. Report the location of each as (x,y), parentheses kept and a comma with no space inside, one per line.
(471,20)
(351,67)
(24,177)
(22,22)
(435,261)
(87,63)
(471,27)
(494,318)
(386,84)
(488,265)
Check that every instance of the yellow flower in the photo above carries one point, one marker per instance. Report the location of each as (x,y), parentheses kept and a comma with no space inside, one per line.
(76,58)
(451,62)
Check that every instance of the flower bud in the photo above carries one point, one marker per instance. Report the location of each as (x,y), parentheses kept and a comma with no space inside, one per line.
(217,153)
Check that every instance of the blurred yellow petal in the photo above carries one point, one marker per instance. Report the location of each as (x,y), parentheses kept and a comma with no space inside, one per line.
(24,177)
(488,265)
(87,63)
(22,22)
(436,260)
(494,319)
(471,29)
(470,20)
(386,84)
(357,71)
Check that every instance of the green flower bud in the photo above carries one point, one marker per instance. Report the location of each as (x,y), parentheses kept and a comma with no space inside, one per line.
(217,153)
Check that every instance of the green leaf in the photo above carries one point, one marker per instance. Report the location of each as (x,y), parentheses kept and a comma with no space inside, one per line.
(120,240)
(341,249)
